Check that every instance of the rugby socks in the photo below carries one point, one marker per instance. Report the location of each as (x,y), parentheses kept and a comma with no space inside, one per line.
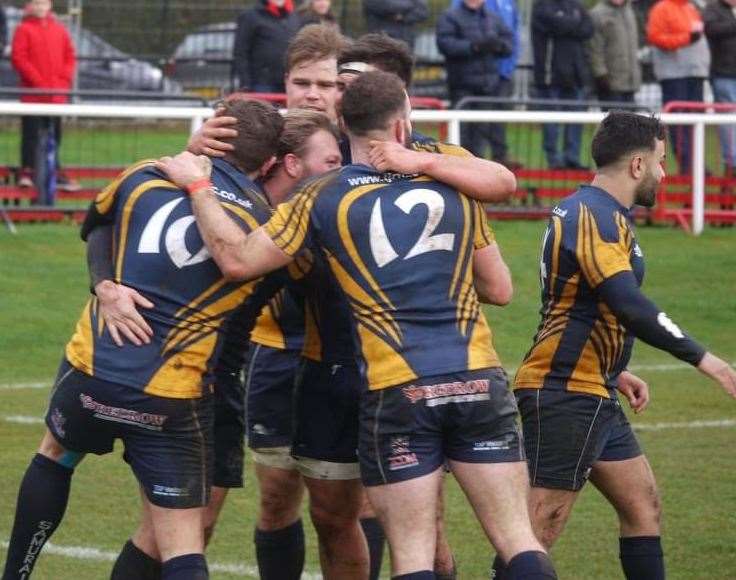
(642,558)
(374,536)
(42,499)
(280,553)
(133,562)
(498,569)
(186,567)
(531,565)
(421,575)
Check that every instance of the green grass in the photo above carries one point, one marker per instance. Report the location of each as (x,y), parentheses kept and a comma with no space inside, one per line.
(44,286)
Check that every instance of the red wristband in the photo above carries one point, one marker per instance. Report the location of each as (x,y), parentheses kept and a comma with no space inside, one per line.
(204,183)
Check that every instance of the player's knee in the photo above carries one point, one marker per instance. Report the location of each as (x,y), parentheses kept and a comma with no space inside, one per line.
(551,524)
(51,449)
(331,520)
(645,514)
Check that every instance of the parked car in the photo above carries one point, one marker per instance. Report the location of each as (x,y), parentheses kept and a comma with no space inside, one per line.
(202,63)
(100,65)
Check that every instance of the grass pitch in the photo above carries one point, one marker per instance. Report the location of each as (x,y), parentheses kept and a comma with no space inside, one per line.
(43,286)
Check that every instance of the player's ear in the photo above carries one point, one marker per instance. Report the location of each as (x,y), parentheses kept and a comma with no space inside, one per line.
(399,130)
(293,166)
(267,165)
(637,166)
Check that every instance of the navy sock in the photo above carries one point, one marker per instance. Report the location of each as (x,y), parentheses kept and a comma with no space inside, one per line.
(42,499)
(186,567)
(280,553)
(498,569)
(375,538)
(530,565)
(642,558)
(133,562)
(421,575)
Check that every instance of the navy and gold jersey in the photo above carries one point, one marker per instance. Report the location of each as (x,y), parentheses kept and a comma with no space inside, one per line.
(579,345)
(281,323)
(159,252)
(401,248)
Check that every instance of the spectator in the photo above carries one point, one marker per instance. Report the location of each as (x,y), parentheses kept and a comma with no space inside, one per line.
(43,56)
(396,18)
(613,51)
(472,39)
(261,38)
(317,12)
(681,63)
(559,31)
(720,29)
(509,14)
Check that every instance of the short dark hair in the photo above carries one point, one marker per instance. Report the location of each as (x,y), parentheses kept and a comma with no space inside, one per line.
(371,100)
(623,132)
(314,42)
(382,52)
(259,126)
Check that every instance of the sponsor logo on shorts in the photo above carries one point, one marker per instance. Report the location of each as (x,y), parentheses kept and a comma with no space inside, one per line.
(120,415)
(401,455)
(37,542)
(170,491)
(443,393)
(57,421)
(503,444)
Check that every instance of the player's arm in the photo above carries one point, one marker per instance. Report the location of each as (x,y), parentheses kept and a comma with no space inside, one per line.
(491,276)
(239,256)
(643,319)
(484,180)
(208,139)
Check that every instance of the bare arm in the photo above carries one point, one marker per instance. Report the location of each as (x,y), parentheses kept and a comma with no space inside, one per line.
(208,139)
(491,276)
(239,256)
(480,179)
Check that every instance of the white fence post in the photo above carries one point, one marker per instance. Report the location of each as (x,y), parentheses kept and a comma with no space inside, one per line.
(698,168)
(195,125)
(453,131)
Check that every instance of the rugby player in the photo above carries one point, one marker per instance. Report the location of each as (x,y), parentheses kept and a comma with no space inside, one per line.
(436,388)
(156,398)
(592,268)
(307,146)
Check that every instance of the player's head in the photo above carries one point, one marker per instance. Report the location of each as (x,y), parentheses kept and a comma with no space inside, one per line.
(376,106)
(630,147)
(39,8)
(259,128)
(375,51)
(308,145)
(311,68)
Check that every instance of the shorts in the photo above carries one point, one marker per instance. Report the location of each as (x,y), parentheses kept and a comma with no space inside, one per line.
(565,433)
(269,386)
(410,430)
(168,442)
(278,457)
(229,431)
(327,407)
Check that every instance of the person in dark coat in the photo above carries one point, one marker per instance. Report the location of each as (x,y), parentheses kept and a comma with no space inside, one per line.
(397,18)
(473,39)
(560,29)
(261,38)
(720,29)
(317,12)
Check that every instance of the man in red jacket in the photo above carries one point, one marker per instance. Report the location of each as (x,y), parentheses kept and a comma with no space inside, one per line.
(43,56)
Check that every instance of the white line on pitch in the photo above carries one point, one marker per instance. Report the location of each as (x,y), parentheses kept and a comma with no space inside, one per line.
(719,423)
(97,555)
(19,386)
(22,419)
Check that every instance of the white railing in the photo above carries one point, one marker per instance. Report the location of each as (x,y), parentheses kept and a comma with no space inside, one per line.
(196,115)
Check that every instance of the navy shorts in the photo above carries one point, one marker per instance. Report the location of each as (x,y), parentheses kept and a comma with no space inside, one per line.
(565,433)
(168,442)
(229,430)
(327,408)
(270,374)
(409,431)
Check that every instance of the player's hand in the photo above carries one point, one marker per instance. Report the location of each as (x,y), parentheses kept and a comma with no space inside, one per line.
(185,168)
(391,156)
(118,308)
(635,390)
(207,140)
(720,371)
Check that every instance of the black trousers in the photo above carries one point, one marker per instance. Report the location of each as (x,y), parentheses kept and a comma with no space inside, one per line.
(30,130)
